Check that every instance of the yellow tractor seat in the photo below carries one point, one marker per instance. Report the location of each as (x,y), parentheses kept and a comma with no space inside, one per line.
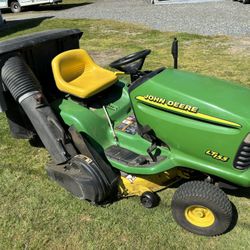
(76,73)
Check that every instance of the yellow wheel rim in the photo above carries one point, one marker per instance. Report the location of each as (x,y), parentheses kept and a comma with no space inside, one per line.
(199,216)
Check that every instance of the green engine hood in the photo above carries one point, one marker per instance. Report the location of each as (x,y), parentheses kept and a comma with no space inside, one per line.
(200,97)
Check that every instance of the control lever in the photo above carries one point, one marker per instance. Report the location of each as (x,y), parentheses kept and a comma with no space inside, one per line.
(150,150)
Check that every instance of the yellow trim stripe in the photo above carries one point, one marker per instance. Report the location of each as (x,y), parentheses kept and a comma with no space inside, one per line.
(188,113)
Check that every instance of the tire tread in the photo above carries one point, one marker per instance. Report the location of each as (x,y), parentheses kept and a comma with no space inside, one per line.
(203,191)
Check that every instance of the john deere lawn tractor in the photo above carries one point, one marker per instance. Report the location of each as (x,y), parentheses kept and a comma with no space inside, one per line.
(110,139)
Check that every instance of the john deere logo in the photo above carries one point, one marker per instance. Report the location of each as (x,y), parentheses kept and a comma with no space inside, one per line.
(169,103)
(183,109)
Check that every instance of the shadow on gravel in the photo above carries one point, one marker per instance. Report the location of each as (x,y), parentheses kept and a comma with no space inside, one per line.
(20,25)
(56,7)
(60,6)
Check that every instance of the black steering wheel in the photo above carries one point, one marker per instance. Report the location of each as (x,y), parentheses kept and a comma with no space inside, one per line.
(132,63)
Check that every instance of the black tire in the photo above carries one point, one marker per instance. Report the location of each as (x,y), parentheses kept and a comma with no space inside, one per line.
(15,7)
(245,1)
(202,208)
(150,199)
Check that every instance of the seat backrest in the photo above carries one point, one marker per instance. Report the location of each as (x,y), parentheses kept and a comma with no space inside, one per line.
(77,74)
(72,64)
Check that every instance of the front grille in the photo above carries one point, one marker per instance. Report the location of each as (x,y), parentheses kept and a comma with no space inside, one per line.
(242,159)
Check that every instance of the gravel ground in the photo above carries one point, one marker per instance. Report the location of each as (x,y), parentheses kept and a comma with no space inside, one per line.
(207,18)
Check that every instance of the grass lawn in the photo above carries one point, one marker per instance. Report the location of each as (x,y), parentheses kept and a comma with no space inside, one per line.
(35,213)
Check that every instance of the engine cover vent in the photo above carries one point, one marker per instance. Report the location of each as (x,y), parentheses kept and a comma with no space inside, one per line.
(242,159)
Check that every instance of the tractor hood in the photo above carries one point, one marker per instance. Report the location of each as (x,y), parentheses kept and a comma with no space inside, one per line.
(199,97)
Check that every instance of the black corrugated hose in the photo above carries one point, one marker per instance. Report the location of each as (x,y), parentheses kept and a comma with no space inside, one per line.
(18,77)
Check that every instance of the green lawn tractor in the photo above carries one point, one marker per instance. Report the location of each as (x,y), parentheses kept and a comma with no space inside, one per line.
(110,139)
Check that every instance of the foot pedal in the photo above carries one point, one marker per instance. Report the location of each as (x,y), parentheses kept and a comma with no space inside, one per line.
(126,156)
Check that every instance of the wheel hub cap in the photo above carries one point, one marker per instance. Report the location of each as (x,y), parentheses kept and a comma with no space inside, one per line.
(199,216)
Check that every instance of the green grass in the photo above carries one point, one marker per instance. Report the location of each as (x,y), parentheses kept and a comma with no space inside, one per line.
(35,213)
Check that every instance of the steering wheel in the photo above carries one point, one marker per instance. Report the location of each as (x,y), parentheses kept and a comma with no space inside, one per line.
(132,63)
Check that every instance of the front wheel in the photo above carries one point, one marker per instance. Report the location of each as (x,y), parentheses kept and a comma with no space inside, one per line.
(15,7)
(202,208)
(150,199)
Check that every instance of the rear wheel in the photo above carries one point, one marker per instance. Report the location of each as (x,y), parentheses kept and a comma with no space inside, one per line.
(15,7)
(202,208)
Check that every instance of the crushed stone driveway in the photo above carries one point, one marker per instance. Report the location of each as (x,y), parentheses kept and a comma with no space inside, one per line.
(224,17)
